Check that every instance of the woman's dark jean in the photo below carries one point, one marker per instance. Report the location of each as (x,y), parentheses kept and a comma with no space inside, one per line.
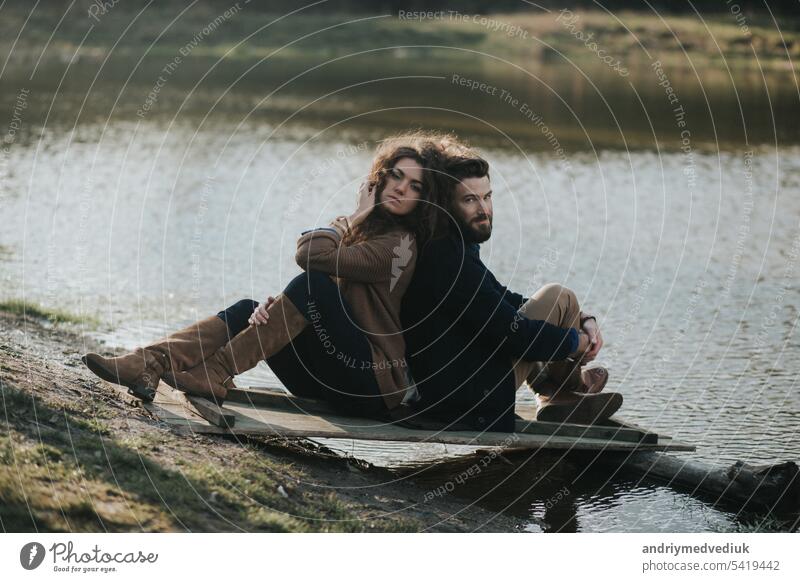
(331,360)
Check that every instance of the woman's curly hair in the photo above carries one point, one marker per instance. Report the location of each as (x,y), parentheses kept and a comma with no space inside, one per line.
(427,220)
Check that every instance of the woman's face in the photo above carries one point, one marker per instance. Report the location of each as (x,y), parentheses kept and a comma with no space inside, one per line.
(403,187)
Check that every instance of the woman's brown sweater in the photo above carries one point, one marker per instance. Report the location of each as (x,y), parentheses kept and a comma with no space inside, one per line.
(373,277)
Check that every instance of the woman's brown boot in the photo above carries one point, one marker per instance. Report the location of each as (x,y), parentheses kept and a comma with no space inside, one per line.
(141,370)
(213,377)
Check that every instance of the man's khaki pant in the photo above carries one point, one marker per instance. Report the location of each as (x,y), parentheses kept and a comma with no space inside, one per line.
(558,305)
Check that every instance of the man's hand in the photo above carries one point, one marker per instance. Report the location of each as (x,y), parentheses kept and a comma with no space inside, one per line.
(595,339)
(583,345)
(260,315)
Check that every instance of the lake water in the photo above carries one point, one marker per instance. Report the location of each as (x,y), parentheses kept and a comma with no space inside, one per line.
(677,223)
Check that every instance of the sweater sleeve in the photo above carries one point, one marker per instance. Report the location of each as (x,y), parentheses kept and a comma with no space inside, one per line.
(473,299)
(372,261)
(515,299)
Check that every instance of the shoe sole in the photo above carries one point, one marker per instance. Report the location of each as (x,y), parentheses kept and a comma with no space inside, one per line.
(140,390)
(174,380)
(589,410)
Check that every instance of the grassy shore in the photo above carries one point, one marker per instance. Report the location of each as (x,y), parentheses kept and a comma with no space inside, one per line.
(30,309)
(243,33)
(77,454)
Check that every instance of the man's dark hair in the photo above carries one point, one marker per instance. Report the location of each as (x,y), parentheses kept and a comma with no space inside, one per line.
(462,168)
(461,161)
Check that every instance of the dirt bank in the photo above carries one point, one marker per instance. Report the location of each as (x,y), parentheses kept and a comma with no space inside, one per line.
(75,456)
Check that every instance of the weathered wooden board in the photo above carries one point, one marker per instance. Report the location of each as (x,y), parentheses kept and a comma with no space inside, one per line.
(213,413)
(610,433)
(278,399)
(268,412)
(169,405)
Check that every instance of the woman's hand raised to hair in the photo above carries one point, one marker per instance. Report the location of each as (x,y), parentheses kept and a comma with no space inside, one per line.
(366,202)
(260,315)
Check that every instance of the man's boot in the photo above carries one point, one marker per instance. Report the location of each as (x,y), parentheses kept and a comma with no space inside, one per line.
(577,408)
(213,377)
(593,380)
(586,381)
(141,370)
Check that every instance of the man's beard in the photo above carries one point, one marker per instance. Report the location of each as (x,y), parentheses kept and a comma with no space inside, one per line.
(474,232)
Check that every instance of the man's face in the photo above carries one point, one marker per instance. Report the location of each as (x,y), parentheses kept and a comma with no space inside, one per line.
(472,207)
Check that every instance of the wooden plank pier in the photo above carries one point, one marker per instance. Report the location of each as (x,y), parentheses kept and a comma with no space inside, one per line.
(272,412)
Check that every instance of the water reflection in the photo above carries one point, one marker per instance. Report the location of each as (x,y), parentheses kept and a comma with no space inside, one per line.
(587,106)
(554,493)
(691,261)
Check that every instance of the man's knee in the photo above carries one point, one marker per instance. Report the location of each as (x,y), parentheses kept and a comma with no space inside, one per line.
(556,292)
(559,303)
